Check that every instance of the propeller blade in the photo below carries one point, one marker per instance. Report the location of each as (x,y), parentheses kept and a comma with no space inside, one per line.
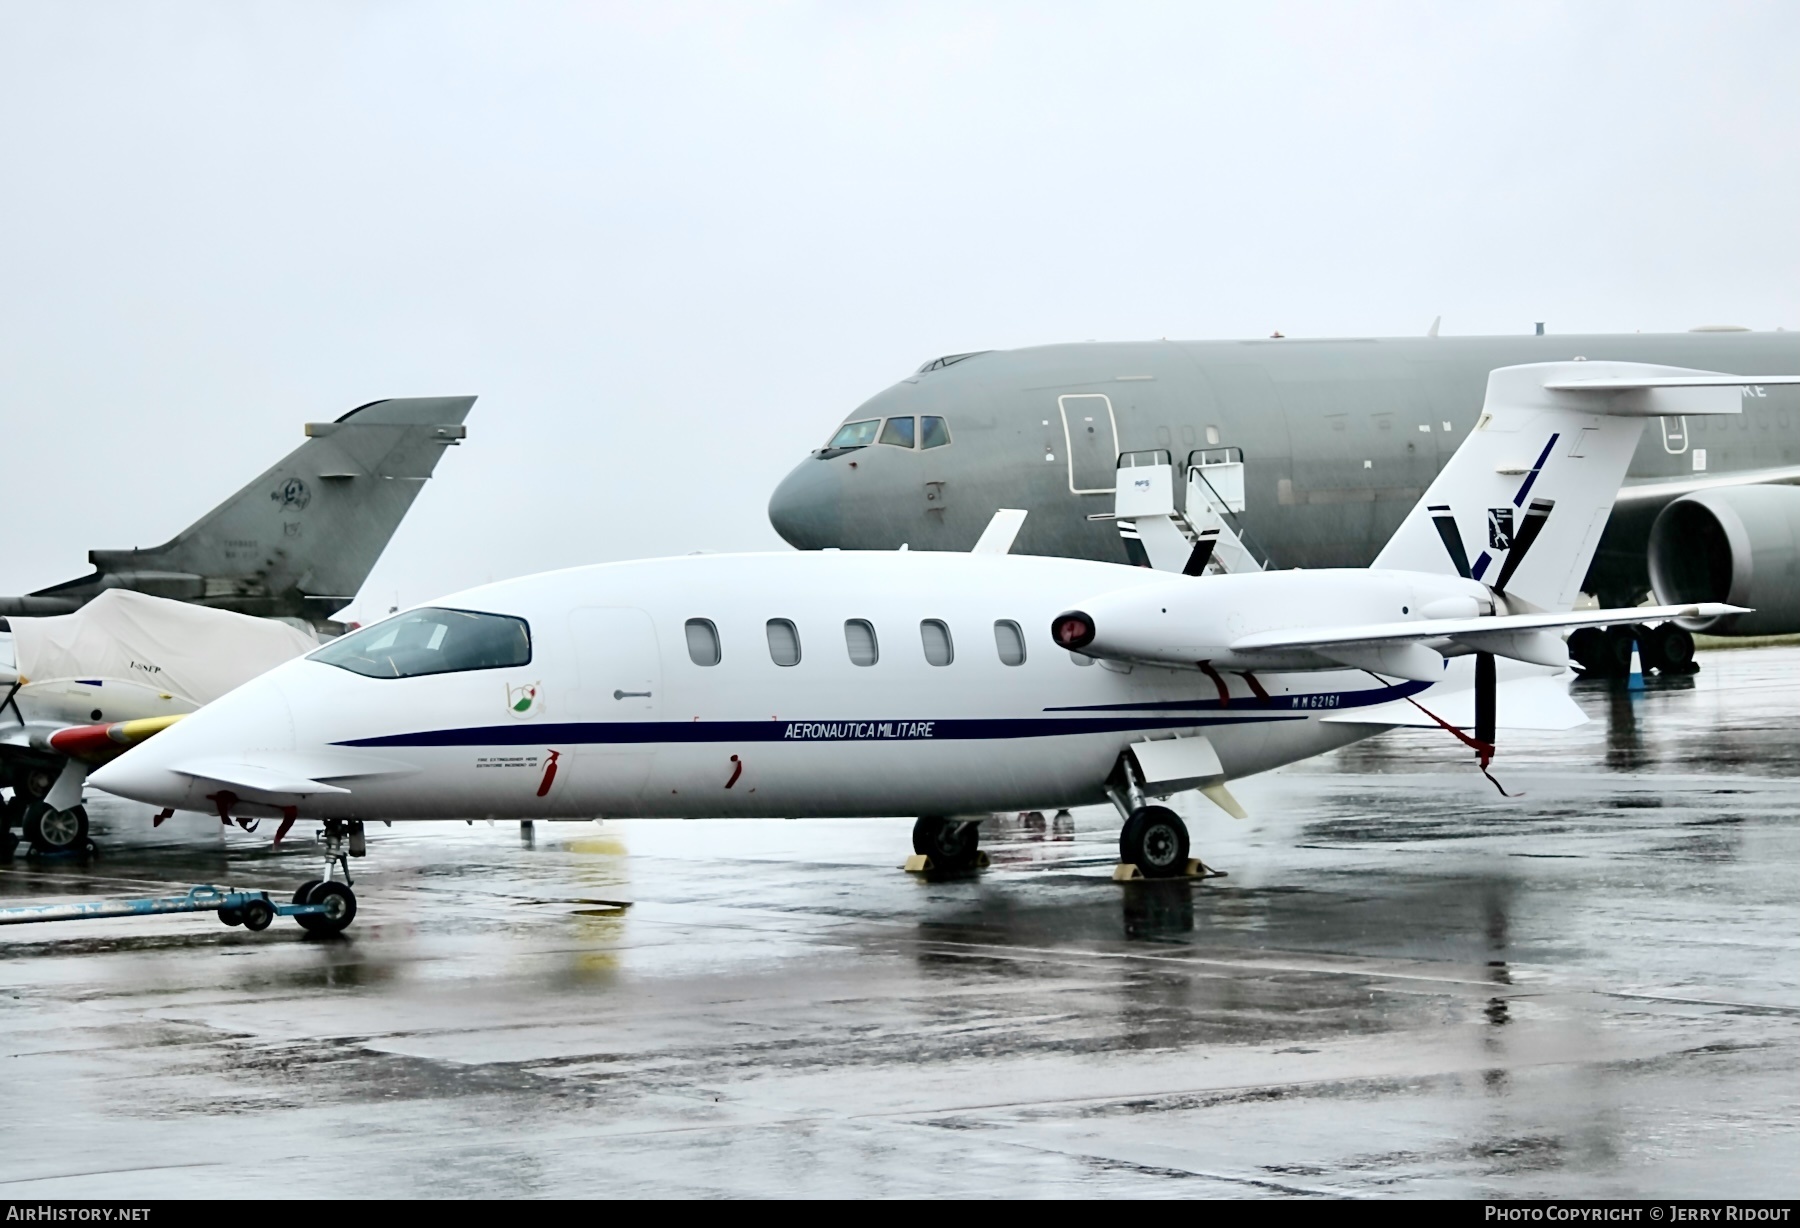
(1203,552)
(1445,520)
(1535,516)
(1484,698)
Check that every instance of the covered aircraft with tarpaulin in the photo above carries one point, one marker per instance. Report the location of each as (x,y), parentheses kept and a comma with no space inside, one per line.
(80,688)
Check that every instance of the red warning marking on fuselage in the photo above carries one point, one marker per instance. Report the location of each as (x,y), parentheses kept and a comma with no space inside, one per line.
(549,774)
(736,771)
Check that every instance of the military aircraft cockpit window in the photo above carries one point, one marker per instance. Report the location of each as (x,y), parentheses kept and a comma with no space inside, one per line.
(933,433)
(702,641)
(898,432)
(431,641)
(855,434)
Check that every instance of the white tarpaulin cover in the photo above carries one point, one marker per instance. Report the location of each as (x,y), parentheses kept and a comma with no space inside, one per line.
(191,651)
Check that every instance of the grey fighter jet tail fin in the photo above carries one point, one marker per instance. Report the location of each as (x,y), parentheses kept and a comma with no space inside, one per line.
(299,540)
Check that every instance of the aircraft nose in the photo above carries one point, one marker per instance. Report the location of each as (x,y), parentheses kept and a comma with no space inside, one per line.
(256,715)
(807,508)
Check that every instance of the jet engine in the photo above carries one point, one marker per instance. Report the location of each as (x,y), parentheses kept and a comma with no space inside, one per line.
(1737,544)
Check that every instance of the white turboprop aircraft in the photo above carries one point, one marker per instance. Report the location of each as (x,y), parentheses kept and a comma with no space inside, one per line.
(940,685)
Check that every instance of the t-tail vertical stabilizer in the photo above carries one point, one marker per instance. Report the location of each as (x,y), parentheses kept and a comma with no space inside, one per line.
(1521,505)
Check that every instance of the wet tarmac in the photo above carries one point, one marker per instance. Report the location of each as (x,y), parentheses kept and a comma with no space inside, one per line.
(1407,985)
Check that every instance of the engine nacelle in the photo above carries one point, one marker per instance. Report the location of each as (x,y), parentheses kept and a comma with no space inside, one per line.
(1738,544)
(1186,621)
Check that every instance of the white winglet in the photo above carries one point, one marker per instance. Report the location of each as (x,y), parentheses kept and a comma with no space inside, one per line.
(998,537)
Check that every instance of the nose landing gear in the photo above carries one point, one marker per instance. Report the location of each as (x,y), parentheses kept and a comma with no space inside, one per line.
(343,840)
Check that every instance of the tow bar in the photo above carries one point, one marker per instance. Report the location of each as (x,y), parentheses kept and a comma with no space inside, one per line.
(327,908)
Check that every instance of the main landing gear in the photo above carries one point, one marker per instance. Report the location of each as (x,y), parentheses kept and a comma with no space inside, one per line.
(1605,652)
(49,831)
(1155,840)
(950,844)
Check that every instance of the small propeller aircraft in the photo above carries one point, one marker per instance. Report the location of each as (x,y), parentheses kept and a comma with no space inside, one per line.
(945,686)
(79,689)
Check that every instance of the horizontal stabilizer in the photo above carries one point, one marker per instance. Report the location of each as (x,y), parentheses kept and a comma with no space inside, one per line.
(1670,381)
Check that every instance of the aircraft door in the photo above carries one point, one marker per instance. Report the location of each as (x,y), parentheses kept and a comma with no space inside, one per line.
(1091,440)
(619,665)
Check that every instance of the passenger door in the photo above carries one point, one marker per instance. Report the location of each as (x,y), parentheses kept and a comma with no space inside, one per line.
(1091,439)
(619,664)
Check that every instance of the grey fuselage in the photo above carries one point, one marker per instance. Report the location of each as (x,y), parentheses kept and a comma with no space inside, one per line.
(1339,438)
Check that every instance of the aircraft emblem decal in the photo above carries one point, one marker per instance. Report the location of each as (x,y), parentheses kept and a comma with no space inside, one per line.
(1500,528)
(1502,536)
(293,493)
(523,700)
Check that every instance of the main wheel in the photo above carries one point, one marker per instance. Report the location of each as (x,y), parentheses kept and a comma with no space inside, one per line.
(1155,840)
(951,844)
(56,831)
(1614,657)
(340,908)
(1586,647)
(1669,649)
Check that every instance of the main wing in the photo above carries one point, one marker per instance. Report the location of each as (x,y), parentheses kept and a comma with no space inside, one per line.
(1400,648)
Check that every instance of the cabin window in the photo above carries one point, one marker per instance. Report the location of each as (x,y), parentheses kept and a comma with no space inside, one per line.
(933,433)
(938,649)
(784,642)
(702,641)
(855,434)
(431,641)
(859,638)
(1010,641)
(898,432)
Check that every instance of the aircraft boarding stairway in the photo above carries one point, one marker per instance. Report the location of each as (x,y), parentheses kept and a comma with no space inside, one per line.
(1208,538)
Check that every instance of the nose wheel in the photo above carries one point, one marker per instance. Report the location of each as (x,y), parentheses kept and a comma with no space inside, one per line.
(343,839)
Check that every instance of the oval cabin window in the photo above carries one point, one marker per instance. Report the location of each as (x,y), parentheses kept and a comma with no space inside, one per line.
(1010,641)
(784,642)
(702,641)
(936,635)
(859,638)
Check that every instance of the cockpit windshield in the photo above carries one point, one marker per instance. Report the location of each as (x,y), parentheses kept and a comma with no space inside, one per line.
(855,434)
(431,641)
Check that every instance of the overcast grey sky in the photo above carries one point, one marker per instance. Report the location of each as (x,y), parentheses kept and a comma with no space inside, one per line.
(671,245)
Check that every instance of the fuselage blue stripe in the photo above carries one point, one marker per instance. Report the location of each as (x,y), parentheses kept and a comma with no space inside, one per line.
(1323,699)
(576,733)
(1144,718)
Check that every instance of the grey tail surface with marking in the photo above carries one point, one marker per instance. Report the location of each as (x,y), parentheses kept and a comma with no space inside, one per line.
(300,539)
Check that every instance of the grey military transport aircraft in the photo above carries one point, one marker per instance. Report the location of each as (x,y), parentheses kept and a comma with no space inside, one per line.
(1310,452)
(297,542)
